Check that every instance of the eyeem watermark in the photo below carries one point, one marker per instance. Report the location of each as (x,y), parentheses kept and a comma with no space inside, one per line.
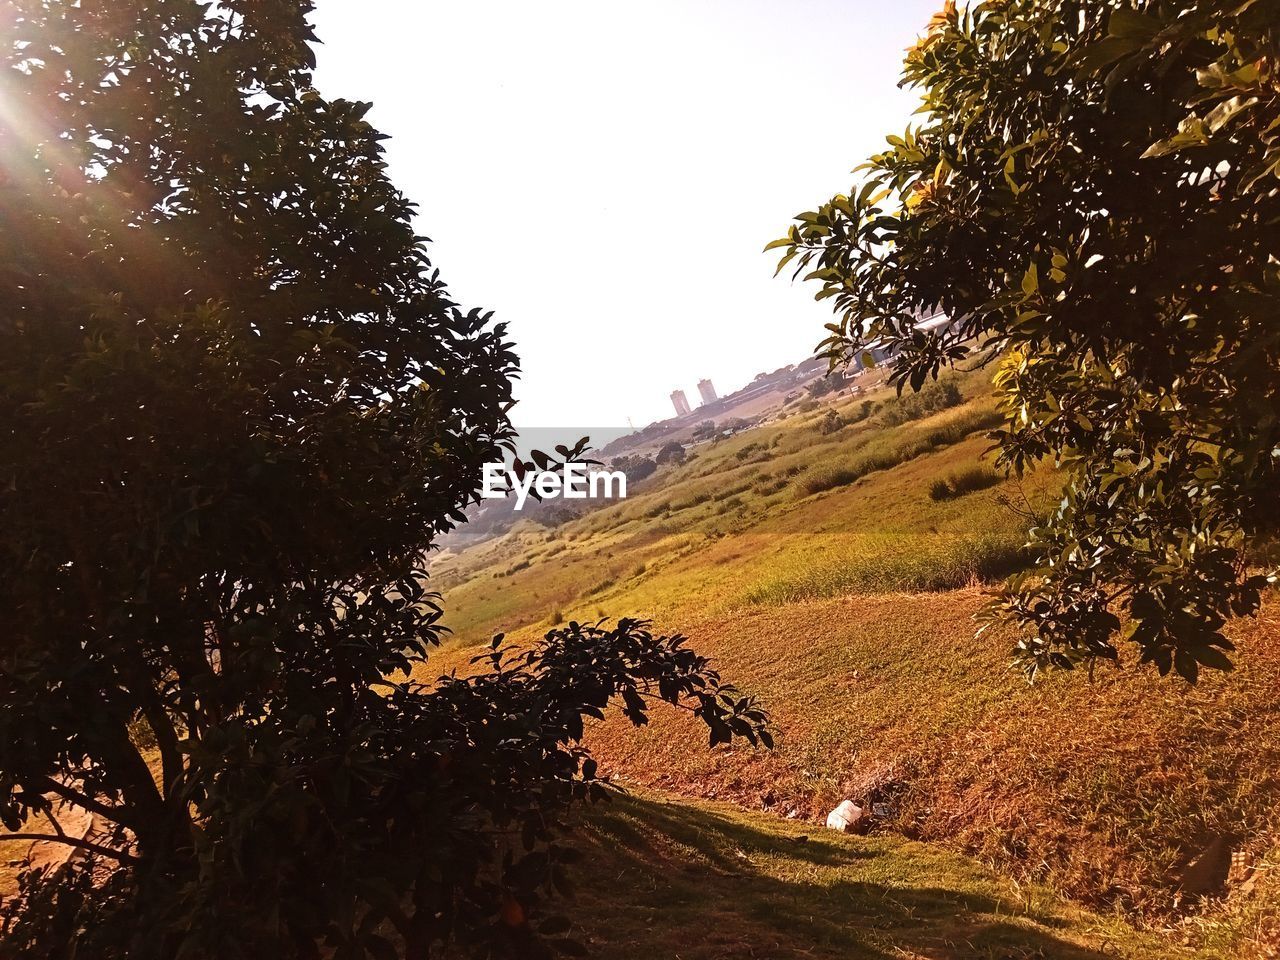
(573,481)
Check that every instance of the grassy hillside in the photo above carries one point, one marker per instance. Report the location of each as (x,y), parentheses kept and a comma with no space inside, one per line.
(781,509)
(835,573)
(707,881)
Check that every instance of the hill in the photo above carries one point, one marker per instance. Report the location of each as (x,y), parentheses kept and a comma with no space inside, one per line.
(708,881)
(832,563)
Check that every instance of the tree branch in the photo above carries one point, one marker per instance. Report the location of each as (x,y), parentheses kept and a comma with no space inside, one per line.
(78,799)
(98,848)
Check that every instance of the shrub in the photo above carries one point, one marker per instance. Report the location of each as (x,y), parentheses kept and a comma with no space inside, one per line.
(932,398)
(671,452)
(706,430)
(636,467)
(826,384)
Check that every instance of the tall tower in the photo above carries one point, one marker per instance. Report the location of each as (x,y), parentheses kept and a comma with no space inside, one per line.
(680,403)
(707,391)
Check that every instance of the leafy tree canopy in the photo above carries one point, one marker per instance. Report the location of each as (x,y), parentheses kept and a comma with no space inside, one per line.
(1093,196)
(635,466)
(672,452)
(237,404)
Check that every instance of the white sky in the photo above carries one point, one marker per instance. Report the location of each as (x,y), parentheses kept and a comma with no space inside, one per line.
(603,175)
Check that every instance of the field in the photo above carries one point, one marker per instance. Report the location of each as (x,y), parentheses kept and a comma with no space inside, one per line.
(831,561)
(708,881)
(833,567)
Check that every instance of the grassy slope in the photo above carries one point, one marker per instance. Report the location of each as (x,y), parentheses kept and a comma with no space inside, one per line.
(1104,789)
(737,519)
(704,881)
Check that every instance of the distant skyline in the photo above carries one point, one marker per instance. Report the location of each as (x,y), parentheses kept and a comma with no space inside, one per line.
(603,175)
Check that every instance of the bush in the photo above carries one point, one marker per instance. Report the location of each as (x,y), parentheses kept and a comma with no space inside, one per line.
(830,423)
(932,398)
(671,452)
(636,467)
(706,430)
(827,384)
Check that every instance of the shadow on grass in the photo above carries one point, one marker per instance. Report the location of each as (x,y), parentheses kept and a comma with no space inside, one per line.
(664,880)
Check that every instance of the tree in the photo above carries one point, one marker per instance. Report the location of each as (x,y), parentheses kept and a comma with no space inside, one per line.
(635,466)
(826,384)
(831,422)
(1092,197)
(671,452)
(706,430)
(237,405)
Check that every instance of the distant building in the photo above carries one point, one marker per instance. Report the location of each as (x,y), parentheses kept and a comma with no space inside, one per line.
(707,391)
(680,403)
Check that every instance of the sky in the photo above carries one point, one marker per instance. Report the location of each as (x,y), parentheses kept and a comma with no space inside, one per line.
(603,175)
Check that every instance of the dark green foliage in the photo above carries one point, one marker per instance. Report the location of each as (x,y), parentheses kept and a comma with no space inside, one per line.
(671,452)
(933,398)
(824,385)
(831,422)
(706,430)
(237,405)
(636,467)
(1093,197)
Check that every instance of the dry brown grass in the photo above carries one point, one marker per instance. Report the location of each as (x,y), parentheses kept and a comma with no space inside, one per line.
(1103,788)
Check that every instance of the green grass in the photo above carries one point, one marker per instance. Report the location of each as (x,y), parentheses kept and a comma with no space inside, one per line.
(837,604)
(703,881)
